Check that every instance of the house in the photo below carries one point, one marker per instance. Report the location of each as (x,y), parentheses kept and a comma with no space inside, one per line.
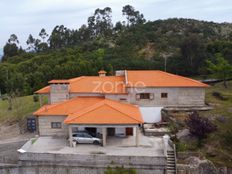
(114,105)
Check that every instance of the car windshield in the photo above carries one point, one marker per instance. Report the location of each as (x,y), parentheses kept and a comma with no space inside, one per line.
(87,135)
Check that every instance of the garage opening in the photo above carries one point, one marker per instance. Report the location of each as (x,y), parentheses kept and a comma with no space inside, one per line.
(111,131)
(92,131)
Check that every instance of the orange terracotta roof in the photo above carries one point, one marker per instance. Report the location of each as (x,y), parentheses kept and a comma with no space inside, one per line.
(92,84)
(59,81)
(93,110)
(67,107)
(96,84)
(155,78)
(44,90)
(106,112)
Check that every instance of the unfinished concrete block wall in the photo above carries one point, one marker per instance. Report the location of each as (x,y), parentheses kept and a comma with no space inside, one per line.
(47,163)
(59,93)
(176,96)
(45,128)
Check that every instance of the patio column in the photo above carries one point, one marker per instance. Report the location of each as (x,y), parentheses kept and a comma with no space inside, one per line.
(136,135)
(40,100)
(103,136)
(70,135)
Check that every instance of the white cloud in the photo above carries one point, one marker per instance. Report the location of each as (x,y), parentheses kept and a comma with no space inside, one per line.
(29,16)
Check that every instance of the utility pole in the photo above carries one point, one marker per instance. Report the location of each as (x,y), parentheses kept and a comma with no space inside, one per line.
(165,63)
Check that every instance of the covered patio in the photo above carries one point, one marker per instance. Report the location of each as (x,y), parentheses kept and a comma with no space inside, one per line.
(109,133)
(107,119)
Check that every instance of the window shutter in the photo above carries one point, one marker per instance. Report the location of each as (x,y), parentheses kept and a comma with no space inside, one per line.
(137,96)
(151,96)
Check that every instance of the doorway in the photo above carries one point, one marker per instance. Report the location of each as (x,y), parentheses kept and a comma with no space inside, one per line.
(92,131)
(111,131)
(129,131)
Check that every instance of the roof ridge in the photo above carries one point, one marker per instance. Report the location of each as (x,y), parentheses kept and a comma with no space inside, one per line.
(85,110)
(122,112)
(76,79)
(61,103)
(186,78)
(98,105)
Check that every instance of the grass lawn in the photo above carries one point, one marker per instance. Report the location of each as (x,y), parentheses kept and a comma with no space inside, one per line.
(215,148)
(222,116)
(21,107)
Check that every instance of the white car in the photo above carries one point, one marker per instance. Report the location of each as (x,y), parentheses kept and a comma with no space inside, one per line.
(85,138)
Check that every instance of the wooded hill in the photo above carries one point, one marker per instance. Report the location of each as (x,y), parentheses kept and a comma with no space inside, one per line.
(179,46)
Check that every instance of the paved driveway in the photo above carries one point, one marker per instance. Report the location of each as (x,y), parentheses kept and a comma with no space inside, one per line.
(149,146)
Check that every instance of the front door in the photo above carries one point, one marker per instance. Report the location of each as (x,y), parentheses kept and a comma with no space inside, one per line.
(129,131)
(110,131)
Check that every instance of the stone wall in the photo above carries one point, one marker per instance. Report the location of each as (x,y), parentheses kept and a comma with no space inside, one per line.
(176,96)
(45,126)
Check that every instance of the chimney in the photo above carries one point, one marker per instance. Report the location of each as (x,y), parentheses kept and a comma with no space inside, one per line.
(102,73)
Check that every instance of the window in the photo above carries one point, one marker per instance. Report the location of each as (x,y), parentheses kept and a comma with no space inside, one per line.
(123,99)
(56,125)
(145,96)
(164,95)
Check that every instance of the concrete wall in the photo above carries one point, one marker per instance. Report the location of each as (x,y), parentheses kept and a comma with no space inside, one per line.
(59,93)
(42,163)
(176,96)
(45,126)
(8,151)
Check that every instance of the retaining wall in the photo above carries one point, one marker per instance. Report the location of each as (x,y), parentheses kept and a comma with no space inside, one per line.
(48,163)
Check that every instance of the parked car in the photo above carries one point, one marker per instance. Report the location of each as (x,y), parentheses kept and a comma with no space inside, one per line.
(85,138)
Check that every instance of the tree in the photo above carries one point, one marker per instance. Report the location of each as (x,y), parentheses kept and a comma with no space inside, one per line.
(220,68)
(43,34)
(13,39)
(42,46)
(133,17)
(100,24)
(192,55)
(200,126)
(60,37)
(11,48)
(31,42)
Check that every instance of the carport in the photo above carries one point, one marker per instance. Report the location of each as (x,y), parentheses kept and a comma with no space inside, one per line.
(106,132)
(107,116)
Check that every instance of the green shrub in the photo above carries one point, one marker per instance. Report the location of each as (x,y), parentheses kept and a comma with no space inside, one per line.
(227,137)
(119,170)
(35,98)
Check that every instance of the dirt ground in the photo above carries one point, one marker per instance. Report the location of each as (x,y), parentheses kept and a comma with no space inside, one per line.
(10,141)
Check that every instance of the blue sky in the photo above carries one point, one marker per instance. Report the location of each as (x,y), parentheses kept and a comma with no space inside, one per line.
(24,17)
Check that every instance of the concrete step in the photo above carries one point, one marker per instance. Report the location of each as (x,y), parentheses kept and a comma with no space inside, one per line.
(171,159)
(171,172)
(171,162)
(171,166)
(171,154)
(171,151)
